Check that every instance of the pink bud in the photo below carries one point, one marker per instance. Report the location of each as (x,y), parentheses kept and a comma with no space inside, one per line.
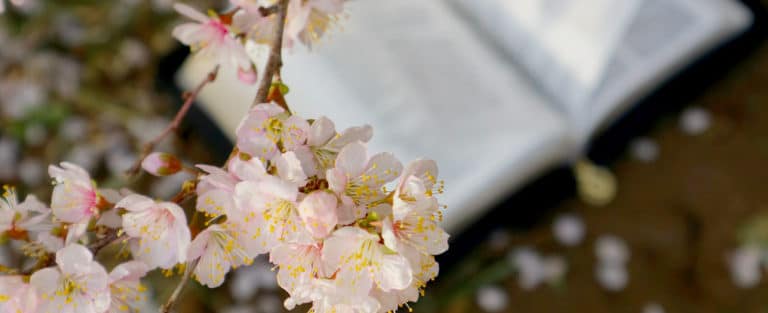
(161,164)
(318,211)
(248,76)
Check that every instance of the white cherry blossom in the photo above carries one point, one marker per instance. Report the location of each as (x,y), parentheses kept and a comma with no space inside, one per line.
(75,198)
(126,291)
(78,284)
(359,180)
(221,247)
(159,233)
(209,37)
(17,296)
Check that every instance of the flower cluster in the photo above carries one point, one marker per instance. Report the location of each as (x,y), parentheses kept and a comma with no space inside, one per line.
(222,37)
(57,236)
(312,198)
(317,202)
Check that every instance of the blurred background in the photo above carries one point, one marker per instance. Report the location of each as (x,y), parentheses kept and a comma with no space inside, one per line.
(599,156)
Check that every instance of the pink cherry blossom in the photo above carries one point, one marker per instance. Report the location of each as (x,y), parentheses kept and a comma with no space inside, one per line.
(17,296)
(25,219)
(158,231)
(299,266)
(260,29)
(126,290)
(270,204)
(323,144)
(77,284)
(347,292)
(318,211)
(394,299)
(354,249)
(417,184)
(216,189)
(289,168)
(416,226)
(209,37)
(265,126)
(252,5)
(359,180)
(220,248)
(308,20)
(75,198)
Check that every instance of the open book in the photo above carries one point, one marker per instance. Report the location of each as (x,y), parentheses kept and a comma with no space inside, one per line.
(495,91)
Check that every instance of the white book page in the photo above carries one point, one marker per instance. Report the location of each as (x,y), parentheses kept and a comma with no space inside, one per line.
(665,36)
(431,89)
(565,45)
(598,57)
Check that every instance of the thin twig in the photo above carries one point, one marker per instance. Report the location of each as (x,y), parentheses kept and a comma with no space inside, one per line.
(275,61)
(110,238)
(174,125)
(168,306)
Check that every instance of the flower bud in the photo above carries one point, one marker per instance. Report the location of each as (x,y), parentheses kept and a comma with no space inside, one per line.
(248,76)
(161,164)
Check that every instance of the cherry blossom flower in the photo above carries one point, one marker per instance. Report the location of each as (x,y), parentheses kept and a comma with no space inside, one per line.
(394,299)
(347,292)
(158,230)
(216,189)
(250,21)
(323,144)
(417,228)
(423,264)
(209,37)
(220,248)
(265,126)
(75,199)
(16,295)
(252,5)
(126,290)
(308,20)
(272,208)
(25,219)
(77,284)
(359,180)
(417,184)
(50,242)
(318,211)
(289,168)
(354,249)
(299,266)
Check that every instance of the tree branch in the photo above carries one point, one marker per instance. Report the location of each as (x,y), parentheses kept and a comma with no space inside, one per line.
(107,240)
(174,125)
(275,60)
(168,306)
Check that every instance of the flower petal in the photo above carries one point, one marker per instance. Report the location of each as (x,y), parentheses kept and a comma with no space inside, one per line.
(74,259)
(352,159)
(190,12)
(321,131)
